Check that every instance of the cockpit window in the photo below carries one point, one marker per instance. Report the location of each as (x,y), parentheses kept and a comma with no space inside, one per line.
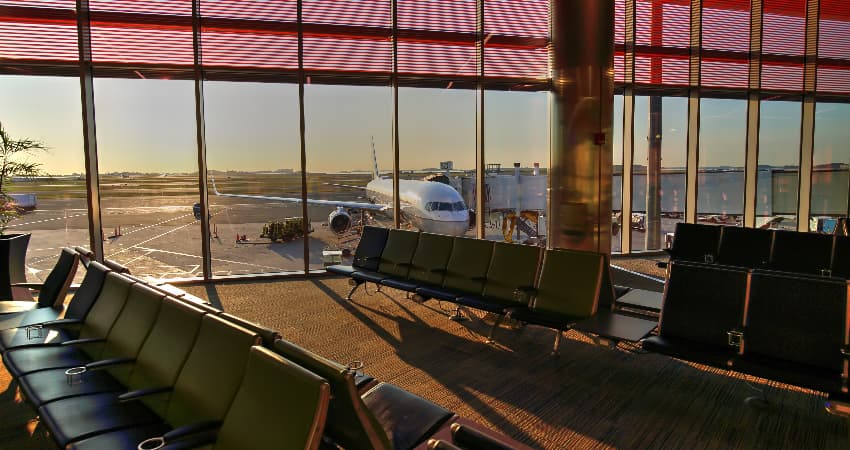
(445,206)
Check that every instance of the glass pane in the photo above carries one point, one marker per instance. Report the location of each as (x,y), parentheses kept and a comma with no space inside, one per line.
(617,184)
(779,164)
(831,159)
(516,140)
(344,124)
(254,160)
(722,147)
(51,207)
(658,177)
(437,159)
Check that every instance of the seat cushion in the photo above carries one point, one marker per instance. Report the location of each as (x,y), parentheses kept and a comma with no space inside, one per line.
(77,418)
(342,270)
(368,275)
(404,285)
(713,355)
(484,303)
(438,293)
(49,385)
(546,319)
(406,418)
(13,306)
(17,338)
(31,317)
(26,360)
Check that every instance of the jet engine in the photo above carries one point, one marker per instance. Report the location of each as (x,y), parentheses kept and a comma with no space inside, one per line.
(339,221)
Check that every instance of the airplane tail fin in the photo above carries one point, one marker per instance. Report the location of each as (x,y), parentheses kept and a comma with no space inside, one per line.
(215,190)
(375,173)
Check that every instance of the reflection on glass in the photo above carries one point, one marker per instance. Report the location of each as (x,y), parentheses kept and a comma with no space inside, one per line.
(344,125)
(437,158)
(831,159)
(617,173)
(253,149)
(148,175)
(779,164)
(722,146)
(516,139)
(658,169)
(53,207)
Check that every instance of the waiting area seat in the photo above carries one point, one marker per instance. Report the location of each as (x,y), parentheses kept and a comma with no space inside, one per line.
(51,293)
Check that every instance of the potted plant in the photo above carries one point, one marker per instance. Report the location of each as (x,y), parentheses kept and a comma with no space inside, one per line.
(14,162)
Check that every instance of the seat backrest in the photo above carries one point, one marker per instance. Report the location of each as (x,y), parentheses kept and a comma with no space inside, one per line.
(279,404)
(398,252)
(133,324)
(745,247)
(266,334)
(695,242)
(512,266)
(797,319)
(115,267)
(349,424)
(431,257)
(569,284)
(369,249)
(105,310)
(841,257)
(702,302)
(14,247)
(798,252)
(55,286)
(468,264)
(166,348)
(87,293)
(211,374)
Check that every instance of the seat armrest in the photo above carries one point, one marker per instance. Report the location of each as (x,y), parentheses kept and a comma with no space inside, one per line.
(83,341)
(108,363)
(192,442)
(525,293)
(140,393)
(192,428)
(468,437)
(436,444)
(59,323)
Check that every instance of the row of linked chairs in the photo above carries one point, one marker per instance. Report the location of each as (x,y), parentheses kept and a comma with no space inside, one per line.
(772,304)
(129,364)
(552,288)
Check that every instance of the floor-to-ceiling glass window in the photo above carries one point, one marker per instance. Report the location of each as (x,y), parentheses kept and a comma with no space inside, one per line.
(830,165)
(617,173)
(516,139)
(345,125)
(778,164)
(253,150)
(658,169)
(722,147)
(51,206)
(147,157)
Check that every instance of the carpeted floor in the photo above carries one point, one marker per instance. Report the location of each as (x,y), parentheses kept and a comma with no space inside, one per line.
(592,396)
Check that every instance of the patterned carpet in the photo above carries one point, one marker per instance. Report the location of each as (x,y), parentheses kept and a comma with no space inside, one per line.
(592,396)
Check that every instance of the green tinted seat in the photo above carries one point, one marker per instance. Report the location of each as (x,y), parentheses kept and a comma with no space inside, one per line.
(398,252)
(428,264)
(349,422)
(465,271)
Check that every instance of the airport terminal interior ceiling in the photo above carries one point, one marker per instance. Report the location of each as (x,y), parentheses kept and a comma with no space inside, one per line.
(726,111)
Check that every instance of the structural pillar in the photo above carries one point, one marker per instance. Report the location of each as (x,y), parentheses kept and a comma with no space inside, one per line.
(582,124)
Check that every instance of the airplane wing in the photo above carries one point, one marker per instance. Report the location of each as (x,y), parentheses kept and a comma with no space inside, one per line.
(344,204)
(346,186)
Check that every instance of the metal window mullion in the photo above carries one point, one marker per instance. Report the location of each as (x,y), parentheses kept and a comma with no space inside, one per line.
(692,152)
(89,129)
(753,112)
(396,146)
(807,131)
(303,138)
(479,127)
(628,126)
(200,128)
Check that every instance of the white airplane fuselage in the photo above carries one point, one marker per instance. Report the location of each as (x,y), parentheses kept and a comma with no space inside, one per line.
(431,206)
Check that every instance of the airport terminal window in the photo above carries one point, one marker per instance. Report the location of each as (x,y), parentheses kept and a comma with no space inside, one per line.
(779,164)
(344,123)
(720,174)
(617,174)
(658,183)
(830,167)
(437,157)
(516,131)
(253,149)
(53,206)
(147,157)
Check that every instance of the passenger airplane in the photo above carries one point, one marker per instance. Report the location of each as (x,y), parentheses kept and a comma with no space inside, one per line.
(430,206)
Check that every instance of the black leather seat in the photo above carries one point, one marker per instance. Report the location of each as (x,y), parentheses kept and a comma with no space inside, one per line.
(52,292)
(367,254)
(408,420)
(804,253)
(695,242)
(745,247)
(841,257)
(702,305)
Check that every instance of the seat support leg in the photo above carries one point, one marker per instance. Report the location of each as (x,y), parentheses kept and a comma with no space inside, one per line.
(557,343)
(354,287)
(456,316)
(496,324)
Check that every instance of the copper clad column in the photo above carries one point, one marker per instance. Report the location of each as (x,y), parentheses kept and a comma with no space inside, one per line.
(582,108)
